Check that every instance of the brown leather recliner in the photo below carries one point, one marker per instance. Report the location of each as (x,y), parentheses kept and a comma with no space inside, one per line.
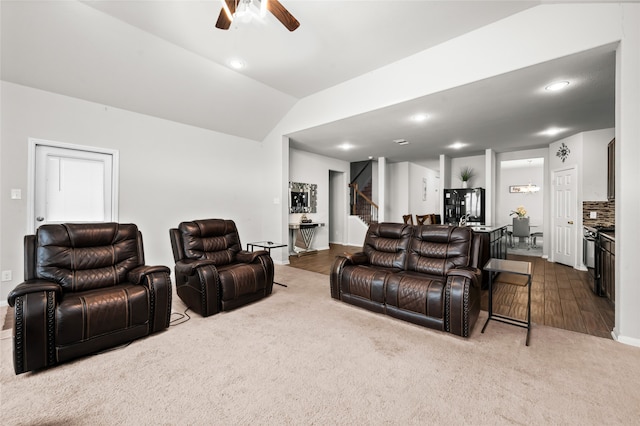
(212,272)
(86,289)
(425,274)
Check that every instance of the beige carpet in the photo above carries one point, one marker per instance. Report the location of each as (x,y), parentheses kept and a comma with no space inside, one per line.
(300,357)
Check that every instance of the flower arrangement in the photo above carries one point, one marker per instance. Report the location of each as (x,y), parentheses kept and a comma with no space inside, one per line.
(520,212)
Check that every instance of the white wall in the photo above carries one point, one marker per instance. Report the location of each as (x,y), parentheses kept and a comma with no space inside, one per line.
(533,202)
(404,181)
(476,162)
(588,154)
(338,204)
(169,172)
(398,193)
(594,164)
(418,206)
(312,168)
(507,45)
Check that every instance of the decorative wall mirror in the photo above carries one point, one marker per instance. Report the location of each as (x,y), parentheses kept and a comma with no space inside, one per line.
(302,197)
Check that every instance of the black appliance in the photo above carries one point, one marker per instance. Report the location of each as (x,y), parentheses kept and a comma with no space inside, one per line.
(591,254)
(464,202)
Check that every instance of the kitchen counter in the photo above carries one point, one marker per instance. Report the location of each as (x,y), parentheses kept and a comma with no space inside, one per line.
(485,228)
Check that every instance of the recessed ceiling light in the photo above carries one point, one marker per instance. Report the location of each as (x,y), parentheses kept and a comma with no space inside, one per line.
(457,145)
(552,131)
(401,141)
(558,85)
(236,64)
(418,118)
(345,146)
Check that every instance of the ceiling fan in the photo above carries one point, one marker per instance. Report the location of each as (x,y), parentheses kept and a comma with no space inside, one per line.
(245,9)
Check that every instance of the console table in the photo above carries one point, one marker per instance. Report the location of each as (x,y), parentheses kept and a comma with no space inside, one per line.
(302,235)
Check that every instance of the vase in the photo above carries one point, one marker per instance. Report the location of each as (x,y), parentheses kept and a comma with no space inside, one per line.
(465,184)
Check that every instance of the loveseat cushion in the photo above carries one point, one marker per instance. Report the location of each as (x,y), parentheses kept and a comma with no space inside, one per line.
(386,245)
(365,281)
(435,249)
(416,292)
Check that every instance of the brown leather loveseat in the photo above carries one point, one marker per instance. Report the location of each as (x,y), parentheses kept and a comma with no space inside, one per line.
(425,274)
(86,289)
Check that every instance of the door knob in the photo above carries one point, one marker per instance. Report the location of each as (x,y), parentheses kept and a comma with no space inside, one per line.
(39,218)
(570,222)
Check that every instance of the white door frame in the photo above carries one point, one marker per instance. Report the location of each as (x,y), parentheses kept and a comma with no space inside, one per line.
(577,243)
(31,173)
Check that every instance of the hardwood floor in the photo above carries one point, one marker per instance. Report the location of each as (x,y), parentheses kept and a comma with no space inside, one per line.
(561,296)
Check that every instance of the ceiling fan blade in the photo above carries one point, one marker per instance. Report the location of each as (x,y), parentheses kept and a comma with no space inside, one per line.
(224,19)
(282,14)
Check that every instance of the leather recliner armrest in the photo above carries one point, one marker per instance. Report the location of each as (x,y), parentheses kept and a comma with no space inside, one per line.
(32,286)
(250,256)
(467,272)
(135,275)
(358,258)
(188,266)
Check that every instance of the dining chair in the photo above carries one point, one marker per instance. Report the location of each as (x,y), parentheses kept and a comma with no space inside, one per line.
(408,219)
(425,219)
(521,229)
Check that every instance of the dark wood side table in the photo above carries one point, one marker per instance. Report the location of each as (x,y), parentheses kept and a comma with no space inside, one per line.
(512,272)
(266,245)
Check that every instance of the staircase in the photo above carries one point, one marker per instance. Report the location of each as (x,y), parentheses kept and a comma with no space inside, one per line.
(361,192)
(362,205)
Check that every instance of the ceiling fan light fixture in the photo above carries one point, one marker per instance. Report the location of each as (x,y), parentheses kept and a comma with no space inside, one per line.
(245,10)
(227,11)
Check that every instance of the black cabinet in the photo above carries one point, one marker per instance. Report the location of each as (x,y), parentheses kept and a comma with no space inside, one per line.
(608,266)
(463,202)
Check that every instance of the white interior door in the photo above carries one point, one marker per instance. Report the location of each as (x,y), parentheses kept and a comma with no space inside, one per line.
(564,216)
(73,184)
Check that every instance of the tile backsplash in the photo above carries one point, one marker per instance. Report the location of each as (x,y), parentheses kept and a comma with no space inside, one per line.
(606,211)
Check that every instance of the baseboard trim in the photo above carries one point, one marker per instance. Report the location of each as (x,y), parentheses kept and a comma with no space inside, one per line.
(631,341)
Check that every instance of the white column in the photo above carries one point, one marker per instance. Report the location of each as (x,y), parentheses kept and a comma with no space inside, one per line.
(382,188)
(490,183)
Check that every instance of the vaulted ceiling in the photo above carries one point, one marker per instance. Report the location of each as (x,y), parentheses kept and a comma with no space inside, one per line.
(166,59)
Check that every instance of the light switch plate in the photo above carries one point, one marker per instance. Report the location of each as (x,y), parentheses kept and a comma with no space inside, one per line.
(6,275)
(16,194)
(593,215)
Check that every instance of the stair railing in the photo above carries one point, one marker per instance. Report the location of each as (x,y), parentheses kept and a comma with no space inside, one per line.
(363,206)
